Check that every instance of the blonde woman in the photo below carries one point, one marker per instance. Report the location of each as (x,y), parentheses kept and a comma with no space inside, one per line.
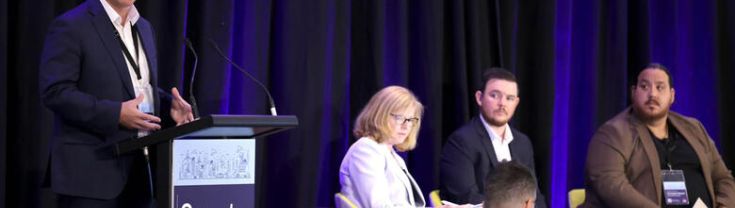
(372,174)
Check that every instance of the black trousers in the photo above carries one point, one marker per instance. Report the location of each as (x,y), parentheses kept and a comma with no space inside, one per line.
(136,193)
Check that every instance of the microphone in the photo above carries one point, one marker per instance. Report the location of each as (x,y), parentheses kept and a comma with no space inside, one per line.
(270,98)
(194,106)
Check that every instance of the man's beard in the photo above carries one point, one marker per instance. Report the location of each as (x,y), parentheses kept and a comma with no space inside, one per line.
(646,115)
(496,122)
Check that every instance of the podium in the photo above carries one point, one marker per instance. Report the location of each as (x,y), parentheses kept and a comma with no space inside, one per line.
(209,162)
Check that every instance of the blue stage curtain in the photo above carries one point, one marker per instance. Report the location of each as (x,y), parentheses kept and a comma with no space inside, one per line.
(3,96)
(324,59)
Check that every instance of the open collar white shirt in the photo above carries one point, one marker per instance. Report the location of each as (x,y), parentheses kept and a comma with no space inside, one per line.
(501,145)
(125,33)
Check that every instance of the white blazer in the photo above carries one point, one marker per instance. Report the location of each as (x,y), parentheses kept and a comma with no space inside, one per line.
(372,175)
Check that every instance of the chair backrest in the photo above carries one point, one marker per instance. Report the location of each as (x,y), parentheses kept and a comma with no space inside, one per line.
(434,198)
(576,197)
(341,201)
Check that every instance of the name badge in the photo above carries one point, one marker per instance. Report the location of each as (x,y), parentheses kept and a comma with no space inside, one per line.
(145,106)
(675,188)
(147,109)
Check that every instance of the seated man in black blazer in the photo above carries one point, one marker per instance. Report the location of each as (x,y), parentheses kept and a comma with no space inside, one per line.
(476,148)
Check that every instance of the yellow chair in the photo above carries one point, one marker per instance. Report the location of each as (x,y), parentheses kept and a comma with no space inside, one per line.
(341,201)
(434,198)
(576,197)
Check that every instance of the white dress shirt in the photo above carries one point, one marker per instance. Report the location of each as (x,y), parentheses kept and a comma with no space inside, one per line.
(125,31)
(372,175)
(500,144)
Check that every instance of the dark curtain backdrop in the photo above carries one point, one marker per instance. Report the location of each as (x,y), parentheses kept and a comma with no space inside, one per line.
(322,60)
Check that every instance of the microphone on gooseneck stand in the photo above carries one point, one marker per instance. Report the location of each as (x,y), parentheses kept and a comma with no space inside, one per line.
(270,98)
(194,106)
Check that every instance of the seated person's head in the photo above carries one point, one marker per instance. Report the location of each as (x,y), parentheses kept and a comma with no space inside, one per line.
(392,116)
(510,185)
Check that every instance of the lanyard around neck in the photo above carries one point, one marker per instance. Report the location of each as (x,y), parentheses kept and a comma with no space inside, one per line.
(133,61)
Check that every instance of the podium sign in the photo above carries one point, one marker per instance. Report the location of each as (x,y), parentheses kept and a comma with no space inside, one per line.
(209,162)
(213,173)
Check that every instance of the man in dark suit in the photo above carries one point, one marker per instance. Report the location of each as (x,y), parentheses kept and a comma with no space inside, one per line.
(98,75)
(475,149)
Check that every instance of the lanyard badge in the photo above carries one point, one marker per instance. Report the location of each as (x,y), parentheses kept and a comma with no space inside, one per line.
(675,189)
(147,105)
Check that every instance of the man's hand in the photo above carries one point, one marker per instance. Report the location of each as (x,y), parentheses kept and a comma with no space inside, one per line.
(180,109)
(448,204)
(458,206)
(132,118)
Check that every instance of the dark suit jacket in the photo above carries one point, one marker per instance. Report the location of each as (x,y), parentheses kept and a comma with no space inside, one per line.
(623,168)
(467,158)
(84,80)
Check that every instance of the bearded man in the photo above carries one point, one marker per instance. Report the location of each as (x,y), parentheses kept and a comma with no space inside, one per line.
(649,156)
(477,148)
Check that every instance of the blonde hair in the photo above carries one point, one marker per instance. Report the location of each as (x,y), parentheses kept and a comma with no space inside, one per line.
(374,118)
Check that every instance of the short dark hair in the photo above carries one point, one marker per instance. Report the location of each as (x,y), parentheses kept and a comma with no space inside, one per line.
(510,182)
(495,73)
(658,66)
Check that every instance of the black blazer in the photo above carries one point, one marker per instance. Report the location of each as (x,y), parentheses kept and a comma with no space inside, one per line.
(467,158)
(84,80)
